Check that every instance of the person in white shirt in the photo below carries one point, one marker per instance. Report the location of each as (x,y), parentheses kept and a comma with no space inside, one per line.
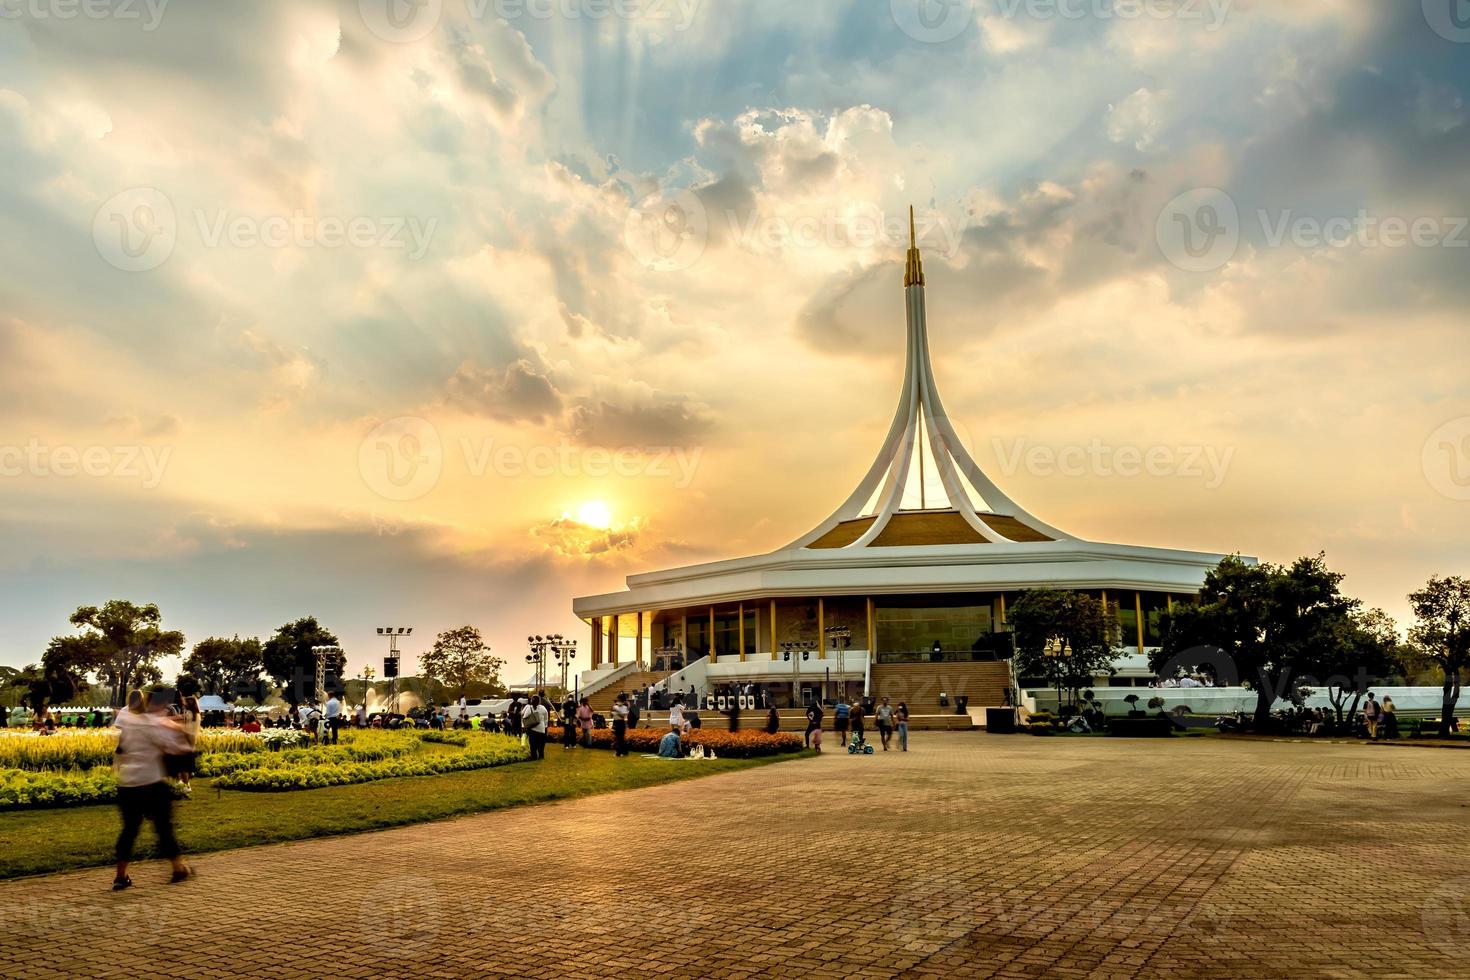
(145,735)
(334,716)
(620,725)
(534,720)
(676,716)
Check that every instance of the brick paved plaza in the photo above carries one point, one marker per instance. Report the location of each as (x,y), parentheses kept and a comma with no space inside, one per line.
(969,856)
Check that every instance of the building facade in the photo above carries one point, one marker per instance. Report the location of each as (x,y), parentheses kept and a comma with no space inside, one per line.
(912,574)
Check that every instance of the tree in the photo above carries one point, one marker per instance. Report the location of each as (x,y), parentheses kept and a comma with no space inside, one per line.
(290,661)
(461,661)
(121,645)
(1274,623)
(1066,635)
(230,668)
(1365,649)
(1442,631)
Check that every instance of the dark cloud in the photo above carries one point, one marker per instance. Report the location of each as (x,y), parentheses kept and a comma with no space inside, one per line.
(521,392)
(635,415)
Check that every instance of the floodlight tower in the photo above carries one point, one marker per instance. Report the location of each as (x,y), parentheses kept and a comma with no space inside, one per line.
(391,662)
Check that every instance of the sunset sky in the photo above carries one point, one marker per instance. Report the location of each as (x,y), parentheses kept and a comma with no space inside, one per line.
(309,309)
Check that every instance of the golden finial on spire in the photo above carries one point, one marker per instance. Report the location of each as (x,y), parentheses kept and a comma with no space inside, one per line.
(913,267)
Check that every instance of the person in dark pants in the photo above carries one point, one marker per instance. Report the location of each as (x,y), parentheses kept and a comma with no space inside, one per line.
(534,718)
(855,719)
(568,723)
(734,714)
(813,721)
(145,735)
(773,721)
(635,711)
(620,725)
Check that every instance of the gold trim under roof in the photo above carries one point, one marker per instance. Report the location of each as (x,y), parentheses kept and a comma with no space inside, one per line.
(913,267)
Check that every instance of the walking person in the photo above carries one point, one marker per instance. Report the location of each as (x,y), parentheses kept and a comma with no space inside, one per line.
(182,765)
(901,719)
(1371,714)
(813,720)
(883,716)
(635,711)
(773,721)
(620,725)
(1390,718)
(840,717)
(676,715)
(584,722)
(734,714)
(146,735)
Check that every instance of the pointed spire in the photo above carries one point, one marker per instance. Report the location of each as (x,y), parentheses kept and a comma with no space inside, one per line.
(913,267)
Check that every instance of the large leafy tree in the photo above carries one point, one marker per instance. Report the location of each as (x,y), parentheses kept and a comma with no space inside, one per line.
(1363,649)
(227,667)
(290,661)
(121,644)
(1276,624)
(1066,635)
(461,661)
(1442,631)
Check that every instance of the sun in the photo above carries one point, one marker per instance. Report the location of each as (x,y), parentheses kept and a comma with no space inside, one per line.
(595,513)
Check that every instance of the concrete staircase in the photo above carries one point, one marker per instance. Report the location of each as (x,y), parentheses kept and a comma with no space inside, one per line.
(602,699)
(919,685)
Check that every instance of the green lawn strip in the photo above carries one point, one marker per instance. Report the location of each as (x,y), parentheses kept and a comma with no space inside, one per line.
(44,841)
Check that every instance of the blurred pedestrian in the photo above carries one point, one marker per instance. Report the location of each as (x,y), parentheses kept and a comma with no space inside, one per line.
(901,721)
(773,721)
(182,765)
(841,715)
(534,720)
(145,736)
(584,722)
(883,717)
(813,719)
(568,723)
(334,716)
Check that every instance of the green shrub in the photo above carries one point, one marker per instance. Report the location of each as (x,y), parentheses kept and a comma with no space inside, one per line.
(20,790)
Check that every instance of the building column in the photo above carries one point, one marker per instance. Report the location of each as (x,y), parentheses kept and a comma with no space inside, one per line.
(773,629)
(821,629)
(612,638)
(740,630)
(710,636)
(638,640)
(684,635)
(596,652)
(1138,616)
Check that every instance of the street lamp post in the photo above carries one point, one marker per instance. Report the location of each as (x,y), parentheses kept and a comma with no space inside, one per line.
(1058,650)
(391,662)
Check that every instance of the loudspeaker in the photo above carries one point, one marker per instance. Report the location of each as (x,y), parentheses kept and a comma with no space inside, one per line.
(390,667)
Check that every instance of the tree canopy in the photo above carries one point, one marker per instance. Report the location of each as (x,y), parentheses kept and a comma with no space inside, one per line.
(1066,635)
(1442,631)
(462,662)
(290,661)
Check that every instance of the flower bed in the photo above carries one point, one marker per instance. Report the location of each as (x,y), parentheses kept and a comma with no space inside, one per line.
(375,750)
(484,755)
(747,744)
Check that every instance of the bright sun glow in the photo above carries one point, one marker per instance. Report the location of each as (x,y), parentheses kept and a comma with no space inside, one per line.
(595,513)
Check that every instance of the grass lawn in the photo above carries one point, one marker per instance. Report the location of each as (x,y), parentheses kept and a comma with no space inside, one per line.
(42,841)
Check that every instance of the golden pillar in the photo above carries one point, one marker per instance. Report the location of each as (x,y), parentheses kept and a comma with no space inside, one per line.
(710,636)
(612,638)
(638,640)
(821,630)
(740,629)
(1138,616)
(773,629)
(872,640)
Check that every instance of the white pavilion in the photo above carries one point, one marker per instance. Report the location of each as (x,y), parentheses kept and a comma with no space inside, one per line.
(904,586)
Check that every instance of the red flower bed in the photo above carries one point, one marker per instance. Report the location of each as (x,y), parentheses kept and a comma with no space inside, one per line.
(749,744)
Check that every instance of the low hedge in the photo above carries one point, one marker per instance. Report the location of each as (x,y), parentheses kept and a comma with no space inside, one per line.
(21,790)
(272,779)
(748,744)
(224,763)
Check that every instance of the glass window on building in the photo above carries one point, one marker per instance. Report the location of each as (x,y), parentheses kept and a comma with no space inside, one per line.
(1155,608)
(727,632)
(914,626)
(1127,616)
(698,645)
